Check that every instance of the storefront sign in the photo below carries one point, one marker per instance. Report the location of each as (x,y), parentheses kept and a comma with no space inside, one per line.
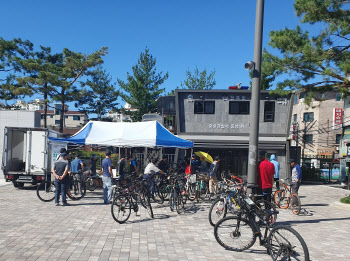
(315,156)
(325,152)
(337,118)
(228,126)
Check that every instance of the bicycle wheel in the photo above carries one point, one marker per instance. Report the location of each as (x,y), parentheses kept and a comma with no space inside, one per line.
(179,204)
(191,192)
(295,203)
(77,190)
(281,199)
(172,200)
(157,195)
(149,206)
(121,209)
(91,184)
(217,211)
(234,233)
(266,205)
(284,243)
(46,191)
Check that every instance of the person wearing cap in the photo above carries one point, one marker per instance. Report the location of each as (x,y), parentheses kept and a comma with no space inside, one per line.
(296,176)
(60,171)
(194,163)
(212,173)
(277,170)
(107,178)
(77,169)
(163,164)
(266,172)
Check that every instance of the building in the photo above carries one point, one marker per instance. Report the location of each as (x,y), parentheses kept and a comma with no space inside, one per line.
(317,129)
(218,122)
(72,119)
(119,116)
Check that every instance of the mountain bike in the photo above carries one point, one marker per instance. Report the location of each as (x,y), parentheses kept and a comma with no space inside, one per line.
(284,198)
(238,233)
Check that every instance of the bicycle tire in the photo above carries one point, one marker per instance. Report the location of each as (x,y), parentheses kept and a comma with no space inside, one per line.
(91,185)
(121,209)
(149,206)
(179,204)
(79,194)
(234,233)
(46,191)
(157,195)
(295,203)
(172,200)
(218,211)
(164,191)
(191,192)
(281,199)
(281,248)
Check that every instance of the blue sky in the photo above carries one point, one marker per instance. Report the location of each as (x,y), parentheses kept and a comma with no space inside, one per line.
(180,34)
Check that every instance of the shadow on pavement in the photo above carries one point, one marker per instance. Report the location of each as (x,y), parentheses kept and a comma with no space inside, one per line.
(315,205)
(311,221)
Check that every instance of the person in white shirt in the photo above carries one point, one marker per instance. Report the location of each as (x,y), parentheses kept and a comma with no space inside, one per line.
(152,167)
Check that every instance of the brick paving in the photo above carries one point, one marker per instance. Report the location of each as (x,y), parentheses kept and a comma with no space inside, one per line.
(34,230)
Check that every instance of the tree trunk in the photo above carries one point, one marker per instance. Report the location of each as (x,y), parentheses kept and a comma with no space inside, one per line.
(45,109)
(62,109)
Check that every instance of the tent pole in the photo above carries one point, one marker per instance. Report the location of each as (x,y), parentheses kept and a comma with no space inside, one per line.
(119,162)
(191,158)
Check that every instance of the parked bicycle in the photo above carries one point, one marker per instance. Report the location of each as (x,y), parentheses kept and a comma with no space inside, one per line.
(285,198)
(238,233)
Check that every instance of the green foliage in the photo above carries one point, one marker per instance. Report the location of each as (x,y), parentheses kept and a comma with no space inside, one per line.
(345,200)
(143,87)
(199,80)
(267,73)
(311,174)
(101,89)
(313,62)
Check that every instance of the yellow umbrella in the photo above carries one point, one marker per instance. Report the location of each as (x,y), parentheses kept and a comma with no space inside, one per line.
(205,155)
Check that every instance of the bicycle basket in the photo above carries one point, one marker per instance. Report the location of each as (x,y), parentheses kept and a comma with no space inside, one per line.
(192,178)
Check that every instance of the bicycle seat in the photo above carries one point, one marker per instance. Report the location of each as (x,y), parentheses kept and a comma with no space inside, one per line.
(271,212)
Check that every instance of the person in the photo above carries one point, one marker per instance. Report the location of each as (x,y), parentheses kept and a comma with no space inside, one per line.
(62,150)
(188,169)
(133,165)
(77,168)
(212,173)
(163,164)
(277,170)
(151,168)
(93,164)
(195,163)
(122,173)
(296,175)
(203,167)
(107,178)
(60,171)
(266,172)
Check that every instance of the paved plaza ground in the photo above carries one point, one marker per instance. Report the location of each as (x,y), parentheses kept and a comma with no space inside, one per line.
(34,230)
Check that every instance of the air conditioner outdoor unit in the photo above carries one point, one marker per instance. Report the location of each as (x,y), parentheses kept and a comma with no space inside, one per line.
(336,148)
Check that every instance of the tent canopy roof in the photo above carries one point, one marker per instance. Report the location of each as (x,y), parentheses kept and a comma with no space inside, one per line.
(126,134)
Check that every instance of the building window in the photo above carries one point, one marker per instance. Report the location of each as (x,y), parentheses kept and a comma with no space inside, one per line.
(308,138)
(269,111)
(308,116)
(295,118)
(51,116)
(204,107)
(65,116)
(76,118)
(42,116)
(239,107)
(338,138)
(57,122)
(338,97)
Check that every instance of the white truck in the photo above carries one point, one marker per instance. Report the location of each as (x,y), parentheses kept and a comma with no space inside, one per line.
(28,154)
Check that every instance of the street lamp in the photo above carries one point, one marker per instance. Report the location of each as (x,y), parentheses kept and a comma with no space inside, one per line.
(99,109)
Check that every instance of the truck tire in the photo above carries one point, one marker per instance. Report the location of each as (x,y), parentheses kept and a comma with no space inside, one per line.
(18,184)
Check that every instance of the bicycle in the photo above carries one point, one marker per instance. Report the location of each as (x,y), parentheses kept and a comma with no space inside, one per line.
(129,199)
(46,191)
(238,233)
(176,200)
(284,198)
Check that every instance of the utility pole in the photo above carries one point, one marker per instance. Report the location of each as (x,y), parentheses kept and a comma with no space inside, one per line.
(255,99)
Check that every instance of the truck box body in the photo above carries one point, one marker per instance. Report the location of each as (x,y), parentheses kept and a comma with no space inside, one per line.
(28,154)
(16,118)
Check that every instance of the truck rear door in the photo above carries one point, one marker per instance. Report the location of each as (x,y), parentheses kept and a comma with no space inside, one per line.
(36,152)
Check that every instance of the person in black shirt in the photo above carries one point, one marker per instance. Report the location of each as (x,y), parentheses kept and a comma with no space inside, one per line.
(163,165)
(60,171)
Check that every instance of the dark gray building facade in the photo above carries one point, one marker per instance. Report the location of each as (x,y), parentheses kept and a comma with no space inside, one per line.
(218,122)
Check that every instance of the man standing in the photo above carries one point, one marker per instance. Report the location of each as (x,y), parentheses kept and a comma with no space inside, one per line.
(77,169)
(93,164)
(266,172)
(277,170)
(60,171)
(107,178)
(212,173)
(194,163)
(121,169)
(203,167)
(133,165)
(296,176)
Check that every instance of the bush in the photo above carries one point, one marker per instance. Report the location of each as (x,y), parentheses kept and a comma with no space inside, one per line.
(345,200)
(311,174)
